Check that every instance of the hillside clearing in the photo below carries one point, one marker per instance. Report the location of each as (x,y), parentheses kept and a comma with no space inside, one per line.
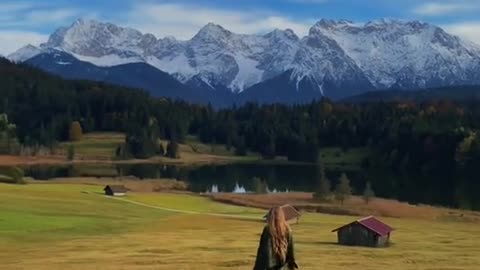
(100,147)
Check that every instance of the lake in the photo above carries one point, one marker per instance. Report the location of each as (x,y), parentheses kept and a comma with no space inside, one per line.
(278,178)
(203,178)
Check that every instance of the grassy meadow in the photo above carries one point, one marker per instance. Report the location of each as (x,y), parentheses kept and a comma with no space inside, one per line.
(95,145)
(72,226)
(335,157)
(100,147)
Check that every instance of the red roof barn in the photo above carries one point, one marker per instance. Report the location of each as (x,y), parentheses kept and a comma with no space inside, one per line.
(367,231)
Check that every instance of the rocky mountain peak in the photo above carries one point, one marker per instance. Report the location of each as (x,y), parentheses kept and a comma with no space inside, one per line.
(337,54)
(25,53)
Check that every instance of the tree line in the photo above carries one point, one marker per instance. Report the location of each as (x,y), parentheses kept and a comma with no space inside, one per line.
(431,138)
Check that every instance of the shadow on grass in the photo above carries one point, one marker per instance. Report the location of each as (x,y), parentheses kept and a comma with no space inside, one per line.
(330,243)
(320,243)
(93,192)
(327,243)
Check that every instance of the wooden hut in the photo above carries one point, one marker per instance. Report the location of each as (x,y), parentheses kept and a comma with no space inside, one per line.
(115,190)
(292,215)
(368,231)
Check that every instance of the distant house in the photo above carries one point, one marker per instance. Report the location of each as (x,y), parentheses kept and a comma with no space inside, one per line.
(291,214)
(368,231)
(112,190)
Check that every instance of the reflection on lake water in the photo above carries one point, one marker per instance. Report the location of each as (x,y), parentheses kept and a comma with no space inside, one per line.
(237,178)
(244,178)
(239,189)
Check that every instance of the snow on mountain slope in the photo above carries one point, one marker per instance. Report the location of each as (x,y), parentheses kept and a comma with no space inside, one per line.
(237,61)
(109,60)
(215,55)
(323,61)
(24,53)
(336,58)
(95,39)
(389,50)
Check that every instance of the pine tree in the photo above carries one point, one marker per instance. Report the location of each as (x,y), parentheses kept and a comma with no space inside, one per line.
(76,132)
(173,150)
(71,152)
(260,186)
(269,151)
(212,146)
(240,147)
(343,190)
(368,193)
(323,191)
(160,149)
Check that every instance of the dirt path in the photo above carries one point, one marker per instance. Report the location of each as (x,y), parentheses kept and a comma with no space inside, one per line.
(183,211)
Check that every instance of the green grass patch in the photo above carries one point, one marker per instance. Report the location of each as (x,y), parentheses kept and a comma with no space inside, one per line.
(336,157)
(212,149)
(55,211)
(193,144)
(193,203)
(11,175)
(101,145)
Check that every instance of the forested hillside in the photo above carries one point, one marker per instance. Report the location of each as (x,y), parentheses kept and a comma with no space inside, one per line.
(43,106)
(432,144)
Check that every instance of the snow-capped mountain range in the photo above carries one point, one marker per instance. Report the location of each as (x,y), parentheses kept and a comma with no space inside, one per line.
(336,58)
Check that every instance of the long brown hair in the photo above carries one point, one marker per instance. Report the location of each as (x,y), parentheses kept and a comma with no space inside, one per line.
(279,230)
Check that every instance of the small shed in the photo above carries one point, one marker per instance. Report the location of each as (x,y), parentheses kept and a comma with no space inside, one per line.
(292,215)
(368,231)
(115,190)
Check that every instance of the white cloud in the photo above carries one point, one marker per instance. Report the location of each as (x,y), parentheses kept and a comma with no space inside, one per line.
(433,9)
(37,18)
(49,16)
(467,30)
(447,7)
(20,22)
(10,41)
(184,21)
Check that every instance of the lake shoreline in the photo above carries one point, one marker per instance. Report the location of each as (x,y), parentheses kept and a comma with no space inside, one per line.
(13,160)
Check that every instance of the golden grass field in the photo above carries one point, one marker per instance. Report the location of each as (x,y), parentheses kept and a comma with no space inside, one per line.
(355,205)
(72,226)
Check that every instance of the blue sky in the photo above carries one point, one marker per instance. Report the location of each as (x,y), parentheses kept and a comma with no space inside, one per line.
(31,21)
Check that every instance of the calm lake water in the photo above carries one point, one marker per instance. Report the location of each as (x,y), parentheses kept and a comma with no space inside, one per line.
(279,178)
(202,178)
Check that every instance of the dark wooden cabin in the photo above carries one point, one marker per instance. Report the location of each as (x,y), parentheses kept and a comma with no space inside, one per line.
(291,214)
(113,190)
(369,232)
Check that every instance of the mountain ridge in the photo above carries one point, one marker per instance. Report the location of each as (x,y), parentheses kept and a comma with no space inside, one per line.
(339,58)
